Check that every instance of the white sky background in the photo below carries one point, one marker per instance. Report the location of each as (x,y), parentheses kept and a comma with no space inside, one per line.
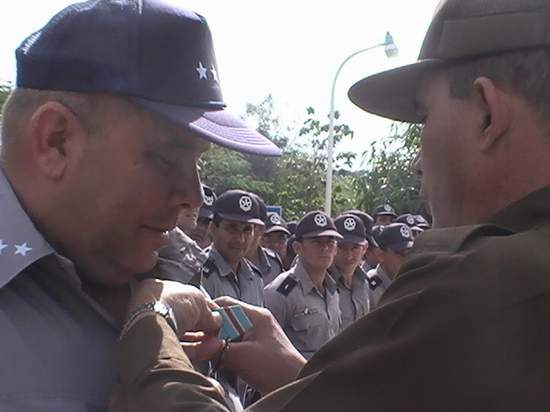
(289,48)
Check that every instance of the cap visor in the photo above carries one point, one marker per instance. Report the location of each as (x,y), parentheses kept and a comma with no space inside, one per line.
(392,93)
(216,126)
(401,246)
(353,239)
(371,241)
(321,233)
(274,229)
(240,218)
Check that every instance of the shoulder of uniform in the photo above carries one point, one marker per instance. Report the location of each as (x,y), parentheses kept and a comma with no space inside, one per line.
(255,269)
(287,285)
(374,281)
(274,255)
(209,267)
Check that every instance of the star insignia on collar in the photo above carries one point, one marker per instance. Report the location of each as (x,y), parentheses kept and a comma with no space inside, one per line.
(2,246)
(202,71)
(22,249)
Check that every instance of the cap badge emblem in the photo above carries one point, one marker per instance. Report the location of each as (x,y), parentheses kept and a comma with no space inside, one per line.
(208,200)
(245,203)
(349,224)
(410,220)
(320,220)
(405,232)
(387,208)
(274,219)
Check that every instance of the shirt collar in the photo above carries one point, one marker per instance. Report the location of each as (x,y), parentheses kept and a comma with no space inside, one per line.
(306,283)
(358,275)
(223,267)
(21,244)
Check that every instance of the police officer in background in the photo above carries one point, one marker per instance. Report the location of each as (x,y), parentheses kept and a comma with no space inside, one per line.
(227,272)
(276,234)
(384,214)
(351,280)
(304,300)
(410,221)
(267,262)
(370,259)
(395,242)
(201,232)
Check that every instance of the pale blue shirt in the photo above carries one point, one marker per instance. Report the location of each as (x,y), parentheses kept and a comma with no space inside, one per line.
(56,343)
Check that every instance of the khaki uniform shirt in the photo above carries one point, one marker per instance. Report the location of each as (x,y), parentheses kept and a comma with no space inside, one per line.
(219,280)
(56,344)
(309,317)
(354,300)
(378,282)
(270,265)
(463,327)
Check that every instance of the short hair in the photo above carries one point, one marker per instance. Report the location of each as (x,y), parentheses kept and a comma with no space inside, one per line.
(524,72)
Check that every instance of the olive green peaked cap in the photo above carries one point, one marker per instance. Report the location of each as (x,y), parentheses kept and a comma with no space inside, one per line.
(460,29)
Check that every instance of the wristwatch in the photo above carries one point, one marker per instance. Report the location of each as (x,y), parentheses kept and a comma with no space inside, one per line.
(155,307)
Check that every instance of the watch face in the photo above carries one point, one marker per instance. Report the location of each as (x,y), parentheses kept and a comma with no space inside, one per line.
(167,313)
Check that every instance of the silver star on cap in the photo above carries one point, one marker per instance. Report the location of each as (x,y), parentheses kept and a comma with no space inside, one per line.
(202,71)
(320,220)
(349,224)
(2,246)
(22,249)
(214,73)
(245,203)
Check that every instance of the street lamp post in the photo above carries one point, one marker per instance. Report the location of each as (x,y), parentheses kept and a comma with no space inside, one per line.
(391,50)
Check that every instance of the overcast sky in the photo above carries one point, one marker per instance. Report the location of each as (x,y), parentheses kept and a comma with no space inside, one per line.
(289,48)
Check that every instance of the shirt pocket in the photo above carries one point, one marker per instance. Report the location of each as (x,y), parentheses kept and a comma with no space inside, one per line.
(306,319)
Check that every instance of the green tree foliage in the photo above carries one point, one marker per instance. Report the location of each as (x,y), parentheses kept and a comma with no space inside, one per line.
(387,176)
(296,181)
(5,89)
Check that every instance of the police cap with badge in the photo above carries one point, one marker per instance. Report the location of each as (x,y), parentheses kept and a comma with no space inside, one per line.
(239,206)
(351,228)
(158,55)
(396,236)
(368,222)
(276,223)
(385,209)
(209,196)
(316,224)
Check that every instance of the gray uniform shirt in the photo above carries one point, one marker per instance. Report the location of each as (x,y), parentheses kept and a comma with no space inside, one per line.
(219,280)
(308,317)
(270,265)
(354,300)
(181,260)
(378,281)
(56,343)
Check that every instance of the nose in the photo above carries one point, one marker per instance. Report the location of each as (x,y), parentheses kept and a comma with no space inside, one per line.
(186,186)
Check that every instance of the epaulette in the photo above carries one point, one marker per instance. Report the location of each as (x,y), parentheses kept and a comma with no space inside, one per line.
(255,269)
(209,267)
(374,282)
(286,287)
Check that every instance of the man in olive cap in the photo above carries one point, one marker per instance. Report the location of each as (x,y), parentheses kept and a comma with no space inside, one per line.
(464,325)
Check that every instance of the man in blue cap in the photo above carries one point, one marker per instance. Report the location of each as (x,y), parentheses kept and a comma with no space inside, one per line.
(114,103)
(346,271)
(304,300)
(227,272)
(276,235)
(266,261)
(394,244)
(384,214)
(201,232)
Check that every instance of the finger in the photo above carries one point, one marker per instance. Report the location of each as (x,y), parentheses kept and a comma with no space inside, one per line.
(204,350)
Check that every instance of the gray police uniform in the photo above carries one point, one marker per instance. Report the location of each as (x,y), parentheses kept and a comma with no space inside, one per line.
(219,280)
(181,260)
(270,265)
(49,324)
(309,317)
(378,281)
(354,300)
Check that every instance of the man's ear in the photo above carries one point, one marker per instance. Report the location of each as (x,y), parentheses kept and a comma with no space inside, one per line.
(297,246)
(54,131)
(379,253)
(496,116)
